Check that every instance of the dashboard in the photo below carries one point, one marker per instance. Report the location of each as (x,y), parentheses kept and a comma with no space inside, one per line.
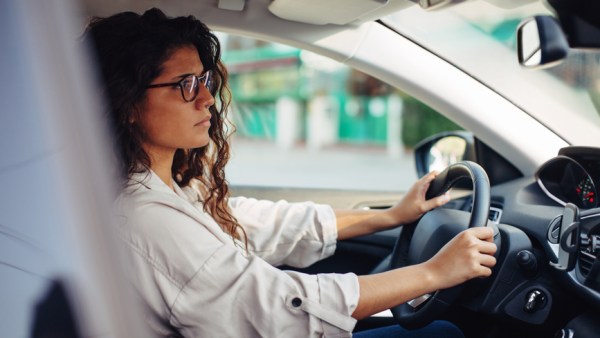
(538,278)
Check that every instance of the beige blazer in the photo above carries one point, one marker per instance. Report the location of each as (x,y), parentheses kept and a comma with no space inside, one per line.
(197,281)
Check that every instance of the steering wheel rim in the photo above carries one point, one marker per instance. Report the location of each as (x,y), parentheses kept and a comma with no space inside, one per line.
(420,312)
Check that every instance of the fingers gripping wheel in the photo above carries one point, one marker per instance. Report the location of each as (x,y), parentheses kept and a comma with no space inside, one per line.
(432,232)
(481,188)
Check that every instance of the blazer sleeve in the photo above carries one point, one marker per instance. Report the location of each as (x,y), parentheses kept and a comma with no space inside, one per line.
(296,234)
(207,287)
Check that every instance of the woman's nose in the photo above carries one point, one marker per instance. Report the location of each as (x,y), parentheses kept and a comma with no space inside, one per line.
(205,98)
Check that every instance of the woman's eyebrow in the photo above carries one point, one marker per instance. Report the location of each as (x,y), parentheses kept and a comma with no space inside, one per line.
(187,74)
(183,75)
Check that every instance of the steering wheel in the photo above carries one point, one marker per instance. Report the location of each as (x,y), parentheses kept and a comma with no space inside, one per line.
(432,232)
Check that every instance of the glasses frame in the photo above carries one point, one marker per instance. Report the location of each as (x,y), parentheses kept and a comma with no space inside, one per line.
(204,79)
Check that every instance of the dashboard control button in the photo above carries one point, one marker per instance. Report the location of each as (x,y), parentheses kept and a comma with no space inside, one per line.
(527,262)
(534,301)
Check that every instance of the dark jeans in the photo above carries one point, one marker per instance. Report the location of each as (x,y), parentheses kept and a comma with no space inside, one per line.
(437,329)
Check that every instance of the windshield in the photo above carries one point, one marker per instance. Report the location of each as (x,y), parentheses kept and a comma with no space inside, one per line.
(480,38)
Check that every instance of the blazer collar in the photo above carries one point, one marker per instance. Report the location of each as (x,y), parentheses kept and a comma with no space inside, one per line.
(150,180)
(177,199)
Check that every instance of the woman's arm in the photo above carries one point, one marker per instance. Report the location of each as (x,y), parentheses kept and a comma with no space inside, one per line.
(353,223)
(467,255)
(295,234)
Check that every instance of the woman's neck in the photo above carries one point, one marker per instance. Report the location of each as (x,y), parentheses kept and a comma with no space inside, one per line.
(164,173)
(161,162)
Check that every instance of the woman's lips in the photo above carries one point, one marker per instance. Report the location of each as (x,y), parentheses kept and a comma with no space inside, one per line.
(205,122)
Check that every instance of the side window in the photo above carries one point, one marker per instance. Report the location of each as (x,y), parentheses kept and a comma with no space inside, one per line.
(303,120)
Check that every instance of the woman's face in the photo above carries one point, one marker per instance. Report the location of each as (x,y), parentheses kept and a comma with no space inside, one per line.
(168,121)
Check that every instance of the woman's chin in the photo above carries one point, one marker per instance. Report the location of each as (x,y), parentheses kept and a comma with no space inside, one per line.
(203,143)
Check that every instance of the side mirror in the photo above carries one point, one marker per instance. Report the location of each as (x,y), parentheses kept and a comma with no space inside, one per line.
(541,42)
(443,149)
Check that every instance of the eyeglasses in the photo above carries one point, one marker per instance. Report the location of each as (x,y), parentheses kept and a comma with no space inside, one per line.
(189,85)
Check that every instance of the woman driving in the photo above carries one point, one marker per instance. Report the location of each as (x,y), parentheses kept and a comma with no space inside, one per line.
(205,263)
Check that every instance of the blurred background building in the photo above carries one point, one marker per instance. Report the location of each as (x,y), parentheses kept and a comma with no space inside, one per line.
(294,97)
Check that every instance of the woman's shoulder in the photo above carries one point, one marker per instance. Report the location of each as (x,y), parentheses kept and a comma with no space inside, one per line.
(148,203)
(158,224)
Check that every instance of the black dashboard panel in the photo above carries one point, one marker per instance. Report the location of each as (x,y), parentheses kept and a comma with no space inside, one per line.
(572,177)
(588,157)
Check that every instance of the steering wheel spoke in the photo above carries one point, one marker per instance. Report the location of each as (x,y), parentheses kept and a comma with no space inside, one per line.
(417,302)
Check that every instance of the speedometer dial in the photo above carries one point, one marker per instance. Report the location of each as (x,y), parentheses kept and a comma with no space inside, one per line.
(586,193)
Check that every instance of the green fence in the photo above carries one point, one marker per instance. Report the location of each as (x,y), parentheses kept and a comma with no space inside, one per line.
(363,119)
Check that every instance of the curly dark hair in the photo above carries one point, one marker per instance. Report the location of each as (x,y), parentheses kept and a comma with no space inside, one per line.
(130,50)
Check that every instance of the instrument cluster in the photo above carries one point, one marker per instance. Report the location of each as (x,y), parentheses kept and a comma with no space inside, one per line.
(572,177)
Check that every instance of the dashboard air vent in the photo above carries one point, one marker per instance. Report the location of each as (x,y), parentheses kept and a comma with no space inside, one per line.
(587,253)
(586,260)
(495,210)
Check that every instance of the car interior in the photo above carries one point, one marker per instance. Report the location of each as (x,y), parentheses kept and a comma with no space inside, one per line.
(528,163)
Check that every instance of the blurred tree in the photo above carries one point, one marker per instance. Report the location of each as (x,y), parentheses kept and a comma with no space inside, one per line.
(420,121)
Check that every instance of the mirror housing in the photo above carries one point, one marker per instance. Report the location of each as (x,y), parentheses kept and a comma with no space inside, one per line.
(440,150)
(580,21)
(433,4)
(541,42)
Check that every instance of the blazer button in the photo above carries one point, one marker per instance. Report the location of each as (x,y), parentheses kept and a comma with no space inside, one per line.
(296,302)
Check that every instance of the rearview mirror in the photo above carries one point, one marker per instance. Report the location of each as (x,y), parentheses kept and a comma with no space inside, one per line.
(541,42)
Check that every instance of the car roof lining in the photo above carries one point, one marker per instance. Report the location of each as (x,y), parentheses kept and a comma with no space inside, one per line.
(316,12)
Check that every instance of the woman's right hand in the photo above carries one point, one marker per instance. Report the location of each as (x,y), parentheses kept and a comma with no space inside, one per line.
(468,255)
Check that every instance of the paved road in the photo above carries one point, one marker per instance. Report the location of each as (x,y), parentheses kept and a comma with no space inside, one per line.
(261,163)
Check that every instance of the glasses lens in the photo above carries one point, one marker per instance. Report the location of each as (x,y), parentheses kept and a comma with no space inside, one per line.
(206,80)
(189,87)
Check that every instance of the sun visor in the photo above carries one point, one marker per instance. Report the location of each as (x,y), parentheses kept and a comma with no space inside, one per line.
(322,12)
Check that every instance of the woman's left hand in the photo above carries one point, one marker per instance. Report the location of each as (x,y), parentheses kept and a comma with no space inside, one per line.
(353,223)
(414,204)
